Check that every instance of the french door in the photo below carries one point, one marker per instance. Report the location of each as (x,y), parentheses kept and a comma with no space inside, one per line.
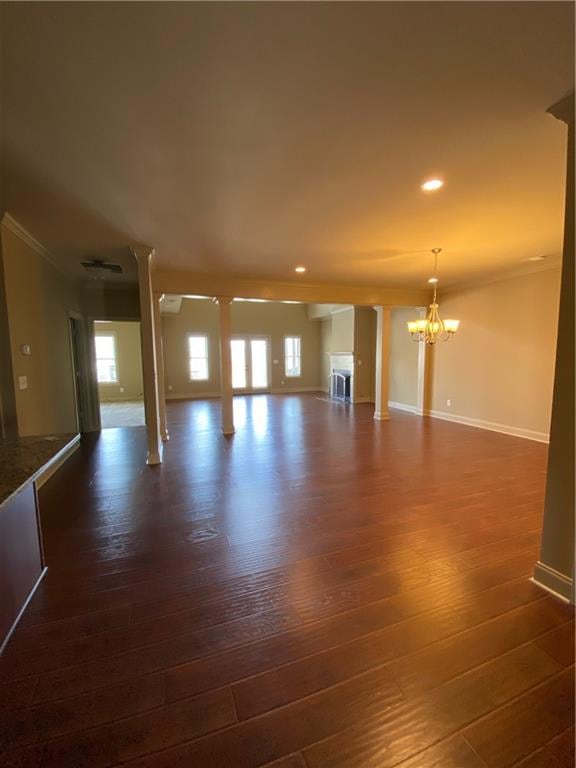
(250,363)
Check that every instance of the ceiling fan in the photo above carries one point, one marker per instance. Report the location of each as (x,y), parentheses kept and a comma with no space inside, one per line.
(99,268)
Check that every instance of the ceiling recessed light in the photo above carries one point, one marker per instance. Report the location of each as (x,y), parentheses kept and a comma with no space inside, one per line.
(432,184)
(537,258)
(300,269)
(432,279)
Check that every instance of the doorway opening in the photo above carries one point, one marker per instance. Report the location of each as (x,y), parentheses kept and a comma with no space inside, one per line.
(119,373)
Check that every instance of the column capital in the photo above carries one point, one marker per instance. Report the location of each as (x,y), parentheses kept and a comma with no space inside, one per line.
(563,109)
(142,253)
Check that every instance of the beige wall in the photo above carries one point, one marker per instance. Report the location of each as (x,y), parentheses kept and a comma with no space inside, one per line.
(129,361)
(116,301)
(325,348)
(274,320)
(364,353)
(403,359)
(500,366)
(39,298)
(343,331)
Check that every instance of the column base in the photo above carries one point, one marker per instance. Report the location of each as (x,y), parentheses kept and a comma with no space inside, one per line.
(227,432)
(155,457)
(381,416)
(554,582)
(165,436)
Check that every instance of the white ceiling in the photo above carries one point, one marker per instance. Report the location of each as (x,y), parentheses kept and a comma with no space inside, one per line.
(249,137)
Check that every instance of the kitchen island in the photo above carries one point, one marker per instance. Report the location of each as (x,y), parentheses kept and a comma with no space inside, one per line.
(25,463)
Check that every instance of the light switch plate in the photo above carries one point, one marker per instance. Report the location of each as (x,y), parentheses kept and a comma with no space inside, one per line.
(26,349)
(22,382)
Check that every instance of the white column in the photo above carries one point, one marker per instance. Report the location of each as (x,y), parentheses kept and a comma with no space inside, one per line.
(383,326)
(160,367)
(149,371)
(555,568)
(425,377)
(226,393)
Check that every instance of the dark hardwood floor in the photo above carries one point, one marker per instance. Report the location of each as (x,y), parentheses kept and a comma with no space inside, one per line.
(319,591)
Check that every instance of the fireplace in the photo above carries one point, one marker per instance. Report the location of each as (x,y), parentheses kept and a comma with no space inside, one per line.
(341,384)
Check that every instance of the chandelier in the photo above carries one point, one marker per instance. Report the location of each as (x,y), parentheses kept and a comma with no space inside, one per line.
(433,328)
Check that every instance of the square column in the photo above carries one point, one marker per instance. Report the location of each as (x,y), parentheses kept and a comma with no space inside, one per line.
(383,327)
(425,372)
(555,569)
(149,369)
(226,392)
(160,367)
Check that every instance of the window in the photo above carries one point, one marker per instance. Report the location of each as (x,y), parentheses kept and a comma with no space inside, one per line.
(292,356)
(106,366)
(198,357)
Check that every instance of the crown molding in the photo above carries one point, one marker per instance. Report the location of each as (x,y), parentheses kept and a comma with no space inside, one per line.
(513,274)
(23,234)
(14,226)
(563,109)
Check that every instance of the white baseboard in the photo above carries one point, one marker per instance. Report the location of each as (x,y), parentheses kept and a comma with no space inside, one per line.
(492,426)
(274,391)
(380,416)
(554,582)
(56,462)
(403,407)
(193,396)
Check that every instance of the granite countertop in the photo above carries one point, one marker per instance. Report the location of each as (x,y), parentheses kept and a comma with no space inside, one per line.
(23,457)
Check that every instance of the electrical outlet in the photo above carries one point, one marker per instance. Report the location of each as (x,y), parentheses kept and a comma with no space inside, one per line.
(282,382)
(121,389)
(169,387)
(449,403)
(22,382)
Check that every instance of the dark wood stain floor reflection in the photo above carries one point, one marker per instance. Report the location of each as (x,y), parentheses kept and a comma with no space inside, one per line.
(319,591)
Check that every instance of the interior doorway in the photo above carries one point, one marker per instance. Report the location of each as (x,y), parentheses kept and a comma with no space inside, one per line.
(119,373)
(78,372)
(250,363)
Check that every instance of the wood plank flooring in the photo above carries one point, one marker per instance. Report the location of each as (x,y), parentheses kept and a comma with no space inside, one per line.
(319,591)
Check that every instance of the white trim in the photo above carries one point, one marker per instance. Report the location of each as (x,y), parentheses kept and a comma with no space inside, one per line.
(21,611)
(193,396)
(56,462)
(272,391)
(492,426)
(17,229)
(403,407)
(27,237)
(381,417)
(340,309)
(554,582)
